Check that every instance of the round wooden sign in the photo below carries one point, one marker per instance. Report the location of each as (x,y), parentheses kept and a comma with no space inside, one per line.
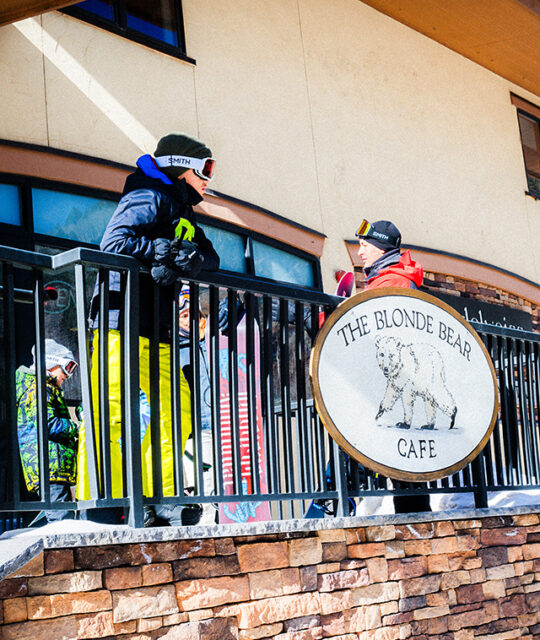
(404,384)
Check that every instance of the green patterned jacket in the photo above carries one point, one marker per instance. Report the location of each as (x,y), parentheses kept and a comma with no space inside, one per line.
(63,432)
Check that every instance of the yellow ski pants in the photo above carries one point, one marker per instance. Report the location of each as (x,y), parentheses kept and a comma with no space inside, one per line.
(115,412)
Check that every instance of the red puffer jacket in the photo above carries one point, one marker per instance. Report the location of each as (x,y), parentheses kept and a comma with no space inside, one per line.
(406,274)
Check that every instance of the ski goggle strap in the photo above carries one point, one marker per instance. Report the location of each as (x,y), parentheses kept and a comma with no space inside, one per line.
(69,368)
(363,229)
(203,167)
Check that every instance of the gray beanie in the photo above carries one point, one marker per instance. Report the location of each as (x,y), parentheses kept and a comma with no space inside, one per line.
(55,355)
(180,144)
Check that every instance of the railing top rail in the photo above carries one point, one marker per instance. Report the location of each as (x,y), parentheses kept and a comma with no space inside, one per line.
(24,258)
(506,332)
(81,255)
(95,258)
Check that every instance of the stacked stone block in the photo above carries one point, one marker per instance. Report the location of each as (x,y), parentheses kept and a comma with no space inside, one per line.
(444,580)
(459,287)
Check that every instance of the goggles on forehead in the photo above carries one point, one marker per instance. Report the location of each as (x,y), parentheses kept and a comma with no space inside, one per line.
(366,230)
(363,229)
(69,368)
(202,167)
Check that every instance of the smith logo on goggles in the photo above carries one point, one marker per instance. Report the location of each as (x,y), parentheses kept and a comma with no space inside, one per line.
(204,168)
(365,230)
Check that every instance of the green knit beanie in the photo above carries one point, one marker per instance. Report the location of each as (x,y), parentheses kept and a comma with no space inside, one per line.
(180,144)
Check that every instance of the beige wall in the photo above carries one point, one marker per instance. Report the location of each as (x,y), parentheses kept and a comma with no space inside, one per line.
(321,116)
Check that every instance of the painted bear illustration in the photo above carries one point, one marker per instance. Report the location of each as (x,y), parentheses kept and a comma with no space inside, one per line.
(411,371)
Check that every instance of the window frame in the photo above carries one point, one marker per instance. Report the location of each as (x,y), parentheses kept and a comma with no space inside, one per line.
(120,28)
(532,112)
(251,235)
(530,192)
(25,236)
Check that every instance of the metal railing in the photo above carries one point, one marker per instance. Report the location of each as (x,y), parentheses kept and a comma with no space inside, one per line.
(270,454)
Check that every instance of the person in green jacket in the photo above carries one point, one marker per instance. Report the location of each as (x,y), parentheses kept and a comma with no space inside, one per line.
(62,430)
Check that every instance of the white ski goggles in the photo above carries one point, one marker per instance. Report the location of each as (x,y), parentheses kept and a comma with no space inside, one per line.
(202,167)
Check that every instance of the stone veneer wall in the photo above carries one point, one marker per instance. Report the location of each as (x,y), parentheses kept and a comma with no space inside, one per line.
(459,287)
(459,579)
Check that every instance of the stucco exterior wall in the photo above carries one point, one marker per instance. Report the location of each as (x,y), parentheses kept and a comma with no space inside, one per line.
(322,116)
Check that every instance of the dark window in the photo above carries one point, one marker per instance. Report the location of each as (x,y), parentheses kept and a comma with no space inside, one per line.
(155,23)
(529,127)
(55,216)
(70,216)
(10,211)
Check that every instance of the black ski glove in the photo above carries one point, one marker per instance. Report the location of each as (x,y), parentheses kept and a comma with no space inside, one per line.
(187,257)
(163,270)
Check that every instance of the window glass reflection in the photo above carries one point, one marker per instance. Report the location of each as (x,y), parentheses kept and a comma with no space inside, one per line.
(101,8)
(10,207)
(155,19)
(280,265)
(66,215)
(229,246)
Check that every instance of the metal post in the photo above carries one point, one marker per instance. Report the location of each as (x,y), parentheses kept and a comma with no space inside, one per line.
(480,492)
(176,401)
(131,411)
(41,377)
(12,479)
(194,348)
(215,389)
(103,373)
(86,389)
(154,399)
(252,393)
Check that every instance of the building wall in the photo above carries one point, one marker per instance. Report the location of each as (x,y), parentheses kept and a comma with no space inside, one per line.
(459,579)
(322,116)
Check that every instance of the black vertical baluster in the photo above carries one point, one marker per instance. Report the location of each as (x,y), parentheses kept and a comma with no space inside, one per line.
(534,406)
(41,377)
(13,476)
(306,461)
(340,474)
(498,444)
(252,393)
(176,401)
(195,359)
(320,437)
(123,401)
(524,404)
(479,477)
(508,412)
(487,449)
(154,399)
(286,394)
(234,399)
(518,415)
(103,359)
(267,382)
(319,428)
(86,389)
(215,389)
(131,400)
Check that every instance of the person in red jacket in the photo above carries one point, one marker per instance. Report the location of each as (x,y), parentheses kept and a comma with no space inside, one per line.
(384,265)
